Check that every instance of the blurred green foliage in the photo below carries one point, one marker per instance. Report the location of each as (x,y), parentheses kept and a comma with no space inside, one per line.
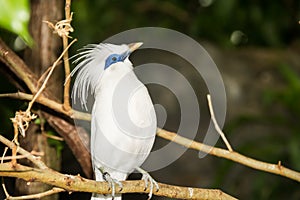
(263,23)
(281,110)
(14,17)
(288,98)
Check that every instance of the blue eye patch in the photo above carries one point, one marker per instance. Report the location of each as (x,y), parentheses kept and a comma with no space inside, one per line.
(114,58)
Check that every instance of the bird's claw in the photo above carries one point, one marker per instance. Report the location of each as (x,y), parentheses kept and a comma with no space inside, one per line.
(148,179)
(112,182)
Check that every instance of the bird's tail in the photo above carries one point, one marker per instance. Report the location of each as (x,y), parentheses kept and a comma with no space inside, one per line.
(99,177)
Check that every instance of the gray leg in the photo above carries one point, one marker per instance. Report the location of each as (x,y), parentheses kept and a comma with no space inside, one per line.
(148,179)
(111,181)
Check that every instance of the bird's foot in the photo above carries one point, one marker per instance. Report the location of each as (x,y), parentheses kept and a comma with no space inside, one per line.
(148,179)
(112,183)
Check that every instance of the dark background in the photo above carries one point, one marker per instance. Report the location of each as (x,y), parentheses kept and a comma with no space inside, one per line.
(256,47)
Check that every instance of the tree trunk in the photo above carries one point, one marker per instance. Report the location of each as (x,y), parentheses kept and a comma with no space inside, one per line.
(45,51)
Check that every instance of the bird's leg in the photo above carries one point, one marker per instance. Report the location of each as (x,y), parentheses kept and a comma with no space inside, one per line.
(148,179)
(111,181)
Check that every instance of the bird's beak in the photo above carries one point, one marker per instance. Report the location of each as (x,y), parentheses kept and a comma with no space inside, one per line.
(134,46)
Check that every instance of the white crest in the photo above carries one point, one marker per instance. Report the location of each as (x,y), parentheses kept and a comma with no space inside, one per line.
(90,62)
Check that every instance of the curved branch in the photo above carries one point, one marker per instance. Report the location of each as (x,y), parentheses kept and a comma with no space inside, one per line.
(15,64)
(54,190)
(79,184)
(22,151)
(219,152)
(230,155)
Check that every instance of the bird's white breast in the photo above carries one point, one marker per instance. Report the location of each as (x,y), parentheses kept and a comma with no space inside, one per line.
(124,121)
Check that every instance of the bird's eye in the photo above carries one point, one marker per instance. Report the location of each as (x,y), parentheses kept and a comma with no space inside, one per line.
(114,58)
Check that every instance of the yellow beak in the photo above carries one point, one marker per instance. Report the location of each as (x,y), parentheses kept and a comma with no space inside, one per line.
(134,46)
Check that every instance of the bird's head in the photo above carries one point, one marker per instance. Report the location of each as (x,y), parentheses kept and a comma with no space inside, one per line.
(92,61)
(120,53)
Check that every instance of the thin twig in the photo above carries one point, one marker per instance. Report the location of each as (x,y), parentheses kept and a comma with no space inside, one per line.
(54,190)
(13,63)
(230,155)
(45,74)
(53,137)
(63,29)
(50,104)
(67,85)
(2,179)
(22,151)
(48,76)
(3,155)
(4,188)
(22,119)
(217,127)
(23,156)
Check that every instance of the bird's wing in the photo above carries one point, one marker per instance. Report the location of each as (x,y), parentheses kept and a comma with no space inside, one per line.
(140,108)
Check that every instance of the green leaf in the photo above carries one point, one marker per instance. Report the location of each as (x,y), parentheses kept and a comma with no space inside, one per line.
(14,16)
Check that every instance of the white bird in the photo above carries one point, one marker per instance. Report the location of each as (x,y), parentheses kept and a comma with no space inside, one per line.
(123,124)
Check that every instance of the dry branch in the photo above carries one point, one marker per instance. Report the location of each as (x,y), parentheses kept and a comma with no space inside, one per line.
(217,127)
(230,155)
(22,71)
(79,184)
(54,190)
(50,104)
(223,153)
(35,160)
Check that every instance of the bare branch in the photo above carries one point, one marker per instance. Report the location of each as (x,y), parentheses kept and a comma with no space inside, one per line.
(50,104)
(67,84)
(54,190)
(234,156)
(22,151)
(48,76)
(217,127)
(22,156)
(63,29)
(230,155)
(80,184)
(67,130)
(71,137)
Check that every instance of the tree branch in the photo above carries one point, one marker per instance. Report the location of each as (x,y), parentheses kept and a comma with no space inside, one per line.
(217,127)
(54,190)
(35,160)
(79,184)
(68,15)
(22,71)
(219,152)
(50,104)
(71,136)
(230,155)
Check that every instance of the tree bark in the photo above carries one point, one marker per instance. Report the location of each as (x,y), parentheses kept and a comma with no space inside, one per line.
(45,51)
